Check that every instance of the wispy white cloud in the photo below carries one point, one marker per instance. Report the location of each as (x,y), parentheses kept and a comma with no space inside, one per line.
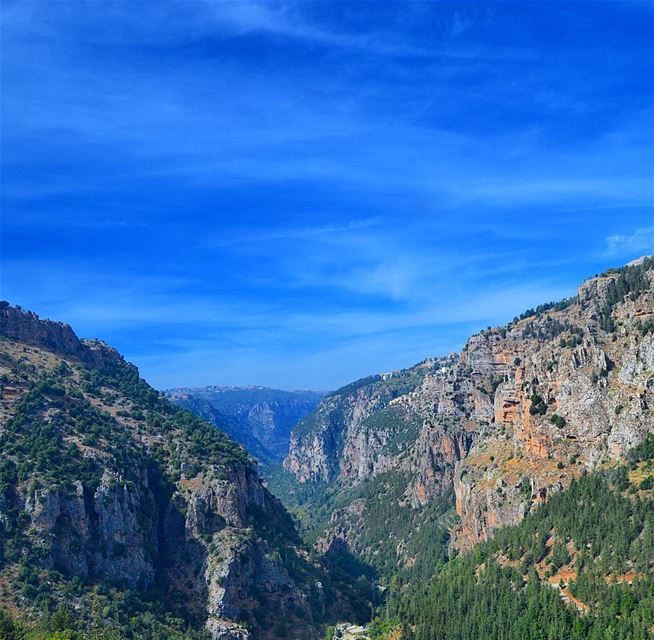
(640,240)
(368,342)
(267,128)
(289,20)
(234,189)
(111,302)
(269,235)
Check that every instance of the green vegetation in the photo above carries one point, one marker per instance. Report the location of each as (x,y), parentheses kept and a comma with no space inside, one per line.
(646,327)
(576,337)
(558,421)
(389,520)
(127,618)
(44,442)
(538,405)
(204,440)
(35,445)
(403,426)
(332,412)
(72,425)
(548,328)
(548,306)
(644,452)
(9,628)
(598,530)
(630,281)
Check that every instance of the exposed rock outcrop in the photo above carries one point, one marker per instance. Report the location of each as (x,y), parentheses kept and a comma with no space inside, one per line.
(97,534)
(103,480)
(522,410)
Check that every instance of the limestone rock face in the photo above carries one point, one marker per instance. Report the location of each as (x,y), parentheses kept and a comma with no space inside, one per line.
(596,395)
(26,327)
(106,481)
(521,411)
(235,570)
(97,535)
(328,451)
(271,420)
(354,432)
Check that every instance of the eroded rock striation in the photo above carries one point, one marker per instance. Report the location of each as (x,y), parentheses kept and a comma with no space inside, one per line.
(521,411)
(102,480)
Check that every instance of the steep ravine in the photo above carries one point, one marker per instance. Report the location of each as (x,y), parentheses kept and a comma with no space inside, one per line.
(259,418)
(106,487)
(522,410)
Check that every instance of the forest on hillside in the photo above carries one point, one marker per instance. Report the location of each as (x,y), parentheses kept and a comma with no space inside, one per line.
(581,567)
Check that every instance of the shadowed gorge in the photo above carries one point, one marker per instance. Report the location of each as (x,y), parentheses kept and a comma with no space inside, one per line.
(114,498)
(327,320)
(443,486)
(259,418)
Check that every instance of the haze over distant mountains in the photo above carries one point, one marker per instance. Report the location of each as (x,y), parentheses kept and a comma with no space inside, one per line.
(140,517)
(260,418)
(504,492)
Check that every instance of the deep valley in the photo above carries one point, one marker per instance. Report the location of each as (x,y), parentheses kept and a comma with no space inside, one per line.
(504,492)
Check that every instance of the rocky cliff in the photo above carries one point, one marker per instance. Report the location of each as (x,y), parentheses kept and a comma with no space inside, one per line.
(521,411)
(105,487)
(576,391)
(359,429)
(259,418)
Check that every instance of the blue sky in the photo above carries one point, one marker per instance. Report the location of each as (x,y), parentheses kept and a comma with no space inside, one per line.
(301,194)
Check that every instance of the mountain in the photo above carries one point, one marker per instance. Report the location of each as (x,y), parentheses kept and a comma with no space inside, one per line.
(501,493)
(259,418)
(125,515)
(579,567)
(453,448)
